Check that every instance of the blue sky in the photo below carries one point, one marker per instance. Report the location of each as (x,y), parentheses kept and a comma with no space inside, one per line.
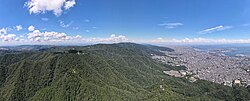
(124,20)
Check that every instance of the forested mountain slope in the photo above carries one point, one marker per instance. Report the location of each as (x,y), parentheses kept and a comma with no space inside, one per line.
(109,72)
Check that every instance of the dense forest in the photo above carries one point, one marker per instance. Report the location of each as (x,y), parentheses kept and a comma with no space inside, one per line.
(102,72)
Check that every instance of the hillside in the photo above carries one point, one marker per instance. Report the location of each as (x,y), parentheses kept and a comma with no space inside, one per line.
(109,72)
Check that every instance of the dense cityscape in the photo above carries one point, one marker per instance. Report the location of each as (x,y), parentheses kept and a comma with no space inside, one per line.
(211,66)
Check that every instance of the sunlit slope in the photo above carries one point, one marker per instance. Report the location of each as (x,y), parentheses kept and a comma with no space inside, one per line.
(123,71)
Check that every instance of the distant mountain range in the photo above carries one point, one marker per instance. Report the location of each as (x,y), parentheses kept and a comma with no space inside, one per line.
(102,72)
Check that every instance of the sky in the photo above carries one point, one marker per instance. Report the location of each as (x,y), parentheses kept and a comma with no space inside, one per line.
(142,21)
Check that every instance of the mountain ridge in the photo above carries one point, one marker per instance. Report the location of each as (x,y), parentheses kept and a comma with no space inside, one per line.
(123,71)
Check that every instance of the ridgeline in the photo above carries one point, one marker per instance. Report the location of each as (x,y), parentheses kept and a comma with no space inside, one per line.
(102,72)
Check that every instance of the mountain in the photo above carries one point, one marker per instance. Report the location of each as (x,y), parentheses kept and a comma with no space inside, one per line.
(123,71)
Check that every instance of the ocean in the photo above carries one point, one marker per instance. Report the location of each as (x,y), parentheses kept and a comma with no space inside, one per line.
(229,49)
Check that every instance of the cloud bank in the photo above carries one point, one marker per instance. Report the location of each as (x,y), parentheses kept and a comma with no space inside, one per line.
(45,37)
(36,36)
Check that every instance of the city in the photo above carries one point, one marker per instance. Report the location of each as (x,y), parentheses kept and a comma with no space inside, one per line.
(214,67)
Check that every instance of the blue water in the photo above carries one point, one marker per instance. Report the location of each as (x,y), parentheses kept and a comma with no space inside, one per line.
(235,49)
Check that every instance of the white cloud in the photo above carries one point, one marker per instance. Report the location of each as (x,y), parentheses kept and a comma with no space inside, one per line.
(35,35)
(62,24)
(17,39)
(1,36)
(171,25)
(45,19)
(38,36)
(5,36)
(19,27)
(112,38)
(42,6)
(31,28)
(69,4)
(3,31)
(8,37)
(78,36)
(54,35)
(215,29)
